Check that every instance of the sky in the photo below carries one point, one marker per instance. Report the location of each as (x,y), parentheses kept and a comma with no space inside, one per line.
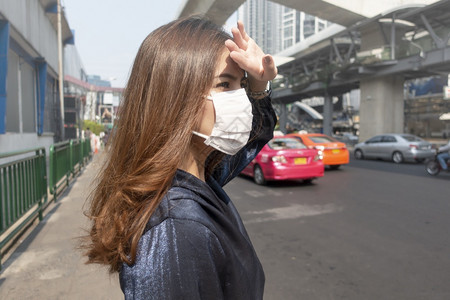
(108,33)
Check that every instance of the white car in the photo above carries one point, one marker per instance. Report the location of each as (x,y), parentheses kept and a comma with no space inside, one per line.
(395,147)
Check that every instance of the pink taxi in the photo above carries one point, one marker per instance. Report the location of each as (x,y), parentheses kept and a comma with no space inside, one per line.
(285,158)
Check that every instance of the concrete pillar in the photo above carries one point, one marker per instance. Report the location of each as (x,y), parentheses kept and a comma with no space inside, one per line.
(382,106)
(328,115)
(283,118)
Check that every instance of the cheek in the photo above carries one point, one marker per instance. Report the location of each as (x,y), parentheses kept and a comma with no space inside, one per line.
(208,118)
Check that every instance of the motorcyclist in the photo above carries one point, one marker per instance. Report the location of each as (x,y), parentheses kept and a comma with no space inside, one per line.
(444,155)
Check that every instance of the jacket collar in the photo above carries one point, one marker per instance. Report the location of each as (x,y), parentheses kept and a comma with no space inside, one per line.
(208,190)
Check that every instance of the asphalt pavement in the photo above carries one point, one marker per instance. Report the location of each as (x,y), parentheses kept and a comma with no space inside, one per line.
(371,230)
(47,263)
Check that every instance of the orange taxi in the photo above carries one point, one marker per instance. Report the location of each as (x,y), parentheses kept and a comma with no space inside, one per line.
(335,153)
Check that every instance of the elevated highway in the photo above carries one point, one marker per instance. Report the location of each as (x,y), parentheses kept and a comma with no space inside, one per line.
(342,12)
(377,55)
(337,58)
(374,45)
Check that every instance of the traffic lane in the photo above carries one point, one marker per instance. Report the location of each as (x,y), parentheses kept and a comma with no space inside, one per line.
(356,233)
(411,168)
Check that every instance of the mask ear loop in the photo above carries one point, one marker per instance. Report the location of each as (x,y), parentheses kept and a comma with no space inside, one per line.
(204,136)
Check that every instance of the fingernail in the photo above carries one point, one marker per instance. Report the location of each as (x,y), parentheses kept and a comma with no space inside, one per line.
(267,59)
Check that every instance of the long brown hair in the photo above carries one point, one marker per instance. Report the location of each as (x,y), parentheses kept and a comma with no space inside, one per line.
(173,71)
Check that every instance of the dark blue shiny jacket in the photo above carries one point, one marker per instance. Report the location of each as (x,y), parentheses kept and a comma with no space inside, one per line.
(195,245)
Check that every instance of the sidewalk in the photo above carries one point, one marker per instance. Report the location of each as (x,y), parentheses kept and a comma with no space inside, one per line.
(47,264)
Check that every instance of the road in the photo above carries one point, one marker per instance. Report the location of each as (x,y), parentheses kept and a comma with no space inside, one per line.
(371,230)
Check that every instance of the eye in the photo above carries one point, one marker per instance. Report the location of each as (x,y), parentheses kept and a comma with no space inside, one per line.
(224,84)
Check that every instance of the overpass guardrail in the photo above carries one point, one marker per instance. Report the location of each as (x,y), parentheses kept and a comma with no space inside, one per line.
(25,187)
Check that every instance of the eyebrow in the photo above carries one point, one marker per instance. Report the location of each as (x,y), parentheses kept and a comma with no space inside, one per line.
(227,75)
(230,76)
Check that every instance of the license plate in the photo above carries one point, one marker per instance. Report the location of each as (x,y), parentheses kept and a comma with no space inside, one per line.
(300,161)
(335,151)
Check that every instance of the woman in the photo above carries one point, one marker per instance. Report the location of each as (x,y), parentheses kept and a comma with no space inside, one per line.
(186,127)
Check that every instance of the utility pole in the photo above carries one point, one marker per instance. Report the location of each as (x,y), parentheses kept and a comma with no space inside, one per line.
(60,68)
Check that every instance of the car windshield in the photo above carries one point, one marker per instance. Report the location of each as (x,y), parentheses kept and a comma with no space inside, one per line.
(286,143)
(321,139)
(412,138)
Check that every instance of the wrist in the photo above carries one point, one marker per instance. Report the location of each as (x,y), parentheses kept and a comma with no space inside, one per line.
(260,90)
(257,85)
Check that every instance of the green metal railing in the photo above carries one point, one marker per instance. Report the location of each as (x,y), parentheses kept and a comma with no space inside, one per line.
(86,148)
(60,166)
(24,186)
(66,161)
(76,155)
(23,191)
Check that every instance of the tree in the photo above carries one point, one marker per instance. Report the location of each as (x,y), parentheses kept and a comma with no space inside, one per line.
(93,127)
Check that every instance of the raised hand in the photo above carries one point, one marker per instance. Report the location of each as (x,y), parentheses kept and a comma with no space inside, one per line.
(246,53)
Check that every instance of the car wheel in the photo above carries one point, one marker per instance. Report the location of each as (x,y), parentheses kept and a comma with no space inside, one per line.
(432,167)
(335,167)
(359,154)
(397,157)
(258,176)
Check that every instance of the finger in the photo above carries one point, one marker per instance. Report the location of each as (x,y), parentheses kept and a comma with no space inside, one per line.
(231,45)
(241,28)
(270,70)
(238,39)
(241,60)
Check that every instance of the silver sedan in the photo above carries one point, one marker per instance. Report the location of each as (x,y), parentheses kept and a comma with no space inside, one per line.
(396,147)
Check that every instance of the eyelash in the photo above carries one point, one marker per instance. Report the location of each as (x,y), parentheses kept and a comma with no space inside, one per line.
(224,85)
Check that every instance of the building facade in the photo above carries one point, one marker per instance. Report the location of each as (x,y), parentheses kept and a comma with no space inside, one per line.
(30,108)
(275,27)
(262,21)
(31,111)
(297,26)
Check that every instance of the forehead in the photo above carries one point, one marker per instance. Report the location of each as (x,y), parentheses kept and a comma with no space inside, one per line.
(227,65)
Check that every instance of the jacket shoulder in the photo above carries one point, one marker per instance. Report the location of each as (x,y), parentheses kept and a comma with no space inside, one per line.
(182,204)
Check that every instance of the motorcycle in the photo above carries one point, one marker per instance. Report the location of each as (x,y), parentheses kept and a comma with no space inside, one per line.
(433,166)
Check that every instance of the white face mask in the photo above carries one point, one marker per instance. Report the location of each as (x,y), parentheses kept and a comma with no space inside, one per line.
(233,123)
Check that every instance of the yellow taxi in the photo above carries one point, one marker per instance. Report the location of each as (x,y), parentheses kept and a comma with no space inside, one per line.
(335,153)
